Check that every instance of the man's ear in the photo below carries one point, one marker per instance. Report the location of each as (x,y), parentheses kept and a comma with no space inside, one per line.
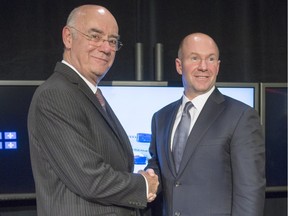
(178,65)
(67,37)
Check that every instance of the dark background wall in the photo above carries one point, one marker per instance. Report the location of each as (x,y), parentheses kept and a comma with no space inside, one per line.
(251,34)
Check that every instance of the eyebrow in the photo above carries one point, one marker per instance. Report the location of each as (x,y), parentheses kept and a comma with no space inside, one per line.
(95,30)
(209,55)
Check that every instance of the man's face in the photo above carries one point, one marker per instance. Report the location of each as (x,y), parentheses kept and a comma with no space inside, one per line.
(198,64)
(92,60)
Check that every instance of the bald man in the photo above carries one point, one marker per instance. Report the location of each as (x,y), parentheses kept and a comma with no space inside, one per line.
(219,167)
(81,157)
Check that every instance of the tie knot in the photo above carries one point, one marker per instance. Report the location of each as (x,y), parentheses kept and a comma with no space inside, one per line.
(188,106)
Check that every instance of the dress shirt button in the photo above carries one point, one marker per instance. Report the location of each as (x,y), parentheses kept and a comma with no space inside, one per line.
(177,213)
(177,184)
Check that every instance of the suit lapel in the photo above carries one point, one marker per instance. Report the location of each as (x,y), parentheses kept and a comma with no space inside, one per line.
(210,112)
(74,78)
(113,122)
(170,123)
(122,136)
(115,125)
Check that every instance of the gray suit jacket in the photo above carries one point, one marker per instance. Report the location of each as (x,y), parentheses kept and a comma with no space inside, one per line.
(81,158)
(223,167)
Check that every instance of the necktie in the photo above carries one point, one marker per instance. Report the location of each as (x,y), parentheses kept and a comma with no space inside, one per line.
(181,135)
(100,98)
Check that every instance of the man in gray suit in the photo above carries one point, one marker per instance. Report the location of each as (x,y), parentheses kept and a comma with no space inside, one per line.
(81,157)
(221,168)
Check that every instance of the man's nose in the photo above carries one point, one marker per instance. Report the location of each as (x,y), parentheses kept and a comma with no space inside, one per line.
(202,65)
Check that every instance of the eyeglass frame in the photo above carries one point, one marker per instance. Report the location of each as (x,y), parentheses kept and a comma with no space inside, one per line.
(91,38)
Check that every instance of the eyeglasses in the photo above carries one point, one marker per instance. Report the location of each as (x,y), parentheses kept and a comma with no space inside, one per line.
(97,39)
(210,60)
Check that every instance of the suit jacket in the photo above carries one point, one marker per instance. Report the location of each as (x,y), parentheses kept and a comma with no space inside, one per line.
(222,171)
(81,157)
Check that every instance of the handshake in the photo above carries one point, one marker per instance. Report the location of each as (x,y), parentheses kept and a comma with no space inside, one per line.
(152,181)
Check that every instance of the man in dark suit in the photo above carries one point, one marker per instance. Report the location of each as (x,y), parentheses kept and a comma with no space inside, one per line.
(81,157)
(221,168)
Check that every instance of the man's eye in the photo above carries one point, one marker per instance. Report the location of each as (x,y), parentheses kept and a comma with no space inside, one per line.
(194,58)
(212,59)
(96,37)
(113,41)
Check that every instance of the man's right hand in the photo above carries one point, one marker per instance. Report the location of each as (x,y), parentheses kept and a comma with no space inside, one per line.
(153,182)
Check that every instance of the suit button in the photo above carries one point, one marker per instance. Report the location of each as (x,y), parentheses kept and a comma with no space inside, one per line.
(177,213)
(177,184)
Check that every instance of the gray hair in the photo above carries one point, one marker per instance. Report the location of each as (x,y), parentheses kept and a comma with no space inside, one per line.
(72,17)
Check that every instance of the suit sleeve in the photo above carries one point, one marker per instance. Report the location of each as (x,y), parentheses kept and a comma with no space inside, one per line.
(66,141)
(248,166)
(153,162)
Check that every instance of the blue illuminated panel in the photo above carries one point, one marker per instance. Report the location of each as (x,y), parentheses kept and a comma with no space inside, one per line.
(10,135)
(10,145)
(143,137)
(8,141)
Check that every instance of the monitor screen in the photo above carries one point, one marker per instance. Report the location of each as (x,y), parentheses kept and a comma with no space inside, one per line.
(16,180)
(135,105)
(274,119)
(134,102)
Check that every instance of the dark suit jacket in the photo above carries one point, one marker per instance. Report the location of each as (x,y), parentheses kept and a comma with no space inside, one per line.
(223,167)
(82,159)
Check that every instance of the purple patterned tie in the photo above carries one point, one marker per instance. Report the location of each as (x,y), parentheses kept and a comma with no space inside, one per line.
(100,98)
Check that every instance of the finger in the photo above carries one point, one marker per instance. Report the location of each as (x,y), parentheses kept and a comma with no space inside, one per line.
(150,172)
(152,198)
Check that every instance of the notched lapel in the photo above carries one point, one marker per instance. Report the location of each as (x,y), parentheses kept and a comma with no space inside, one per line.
(113,122)
(168,132)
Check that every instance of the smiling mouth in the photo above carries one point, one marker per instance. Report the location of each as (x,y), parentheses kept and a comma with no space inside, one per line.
(202,77)
(100,59)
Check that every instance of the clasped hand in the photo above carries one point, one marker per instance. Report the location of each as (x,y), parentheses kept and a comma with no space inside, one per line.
(153,182)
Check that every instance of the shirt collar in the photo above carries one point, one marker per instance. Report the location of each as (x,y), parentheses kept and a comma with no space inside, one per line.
(198,101)
(91,86)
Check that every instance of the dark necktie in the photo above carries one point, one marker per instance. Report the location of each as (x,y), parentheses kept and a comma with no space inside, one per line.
(181,135)
(100,98)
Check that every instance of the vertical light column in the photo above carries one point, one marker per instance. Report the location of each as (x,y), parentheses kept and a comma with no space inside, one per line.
(139,67)
(159,65)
